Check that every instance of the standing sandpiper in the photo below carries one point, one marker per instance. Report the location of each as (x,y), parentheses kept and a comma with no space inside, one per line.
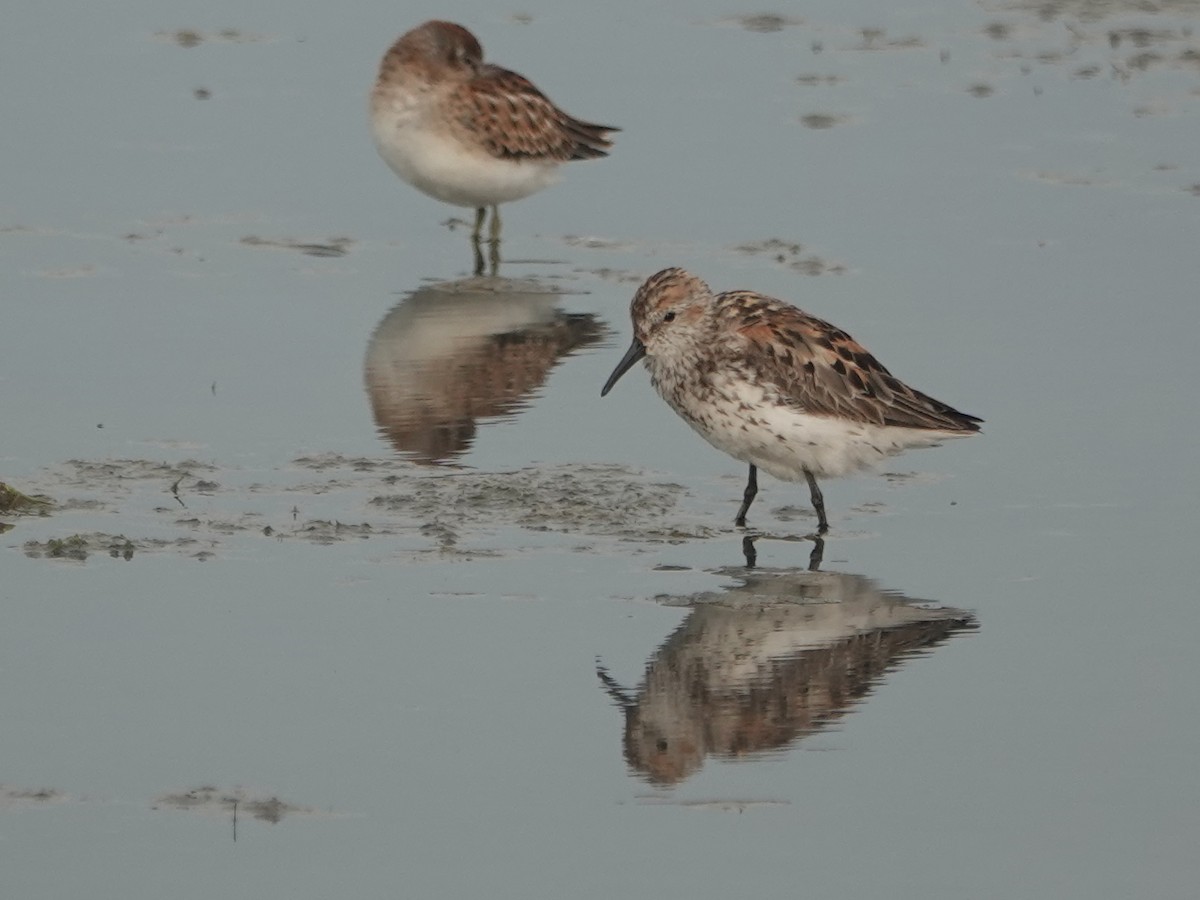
(775,387)
(467,132)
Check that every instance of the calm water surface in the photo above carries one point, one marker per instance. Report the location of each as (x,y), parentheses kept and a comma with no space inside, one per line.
(354,586)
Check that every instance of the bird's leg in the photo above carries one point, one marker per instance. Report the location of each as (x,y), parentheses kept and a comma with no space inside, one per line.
(818,554)
(476,238)
(747,497)
(494,258)
(479,268)
(818,502)
(494,231)
(749,551)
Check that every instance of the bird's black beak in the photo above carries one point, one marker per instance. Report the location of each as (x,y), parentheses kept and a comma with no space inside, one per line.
(635,352)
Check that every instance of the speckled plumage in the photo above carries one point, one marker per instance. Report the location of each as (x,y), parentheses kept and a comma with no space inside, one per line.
(775,387)
(467,132)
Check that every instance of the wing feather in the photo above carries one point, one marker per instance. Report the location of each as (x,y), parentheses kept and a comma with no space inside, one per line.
(821,369)
(517,121)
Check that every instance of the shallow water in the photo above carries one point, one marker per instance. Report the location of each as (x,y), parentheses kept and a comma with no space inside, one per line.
(353,585)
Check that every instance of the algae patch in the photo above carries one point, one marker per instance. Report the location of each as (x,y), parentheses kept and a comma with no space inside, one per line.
(79,547)
(16,503)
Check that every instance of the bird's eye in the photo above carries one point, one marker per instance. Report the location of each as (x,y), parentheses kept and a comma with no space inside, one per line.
(669,317)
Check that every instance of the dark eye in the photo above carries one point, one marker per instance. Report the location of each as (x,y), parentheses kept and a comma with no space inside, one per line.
(669,317)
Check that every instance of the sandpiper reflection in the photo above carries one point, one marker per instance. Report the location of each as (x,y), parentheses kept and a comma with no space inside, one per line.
(452,354)
(775,657)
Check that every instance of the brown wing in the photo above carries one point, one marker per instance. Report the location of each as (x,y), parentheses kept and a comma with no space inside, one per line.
(517,121)
(824,371)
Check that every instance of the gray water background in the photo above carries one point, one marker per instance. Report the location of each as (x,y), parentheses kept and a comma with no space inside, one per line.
(1004,208)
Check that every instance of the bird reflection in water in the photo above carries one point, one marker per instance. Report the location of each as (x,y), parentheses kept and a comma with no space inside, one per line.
(775,657)
(454,353)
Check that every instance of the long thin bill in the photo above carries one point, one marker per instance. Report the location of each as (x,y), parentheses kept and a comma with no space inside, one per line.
(635,352)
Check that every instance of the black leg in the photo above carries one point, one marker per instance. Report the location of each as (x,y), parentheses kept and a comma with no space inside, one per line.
(494,258)
(748,497)
(818,554)
(749,551)
(479,265)
(818,502)
(480,215)
(494,231)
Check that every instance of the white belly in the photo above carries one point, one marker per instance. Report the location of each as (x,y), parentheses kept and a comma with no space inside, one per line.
(452,171)
(786,441)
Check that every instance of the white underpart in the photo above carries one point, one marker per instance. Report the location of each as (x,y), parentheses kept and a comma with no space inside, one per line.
(448,169)
(749,423)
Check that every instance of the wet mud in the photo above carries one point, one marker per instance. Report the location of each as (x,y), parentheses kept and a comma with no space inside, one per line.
(12,797)
(792,256)
(189,38)
(199,510)
(332,247)
(216,801)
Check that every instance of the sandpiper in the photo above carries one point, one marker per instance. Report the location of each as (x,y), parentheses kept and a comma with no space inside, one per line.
(467,132)
(775,387)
